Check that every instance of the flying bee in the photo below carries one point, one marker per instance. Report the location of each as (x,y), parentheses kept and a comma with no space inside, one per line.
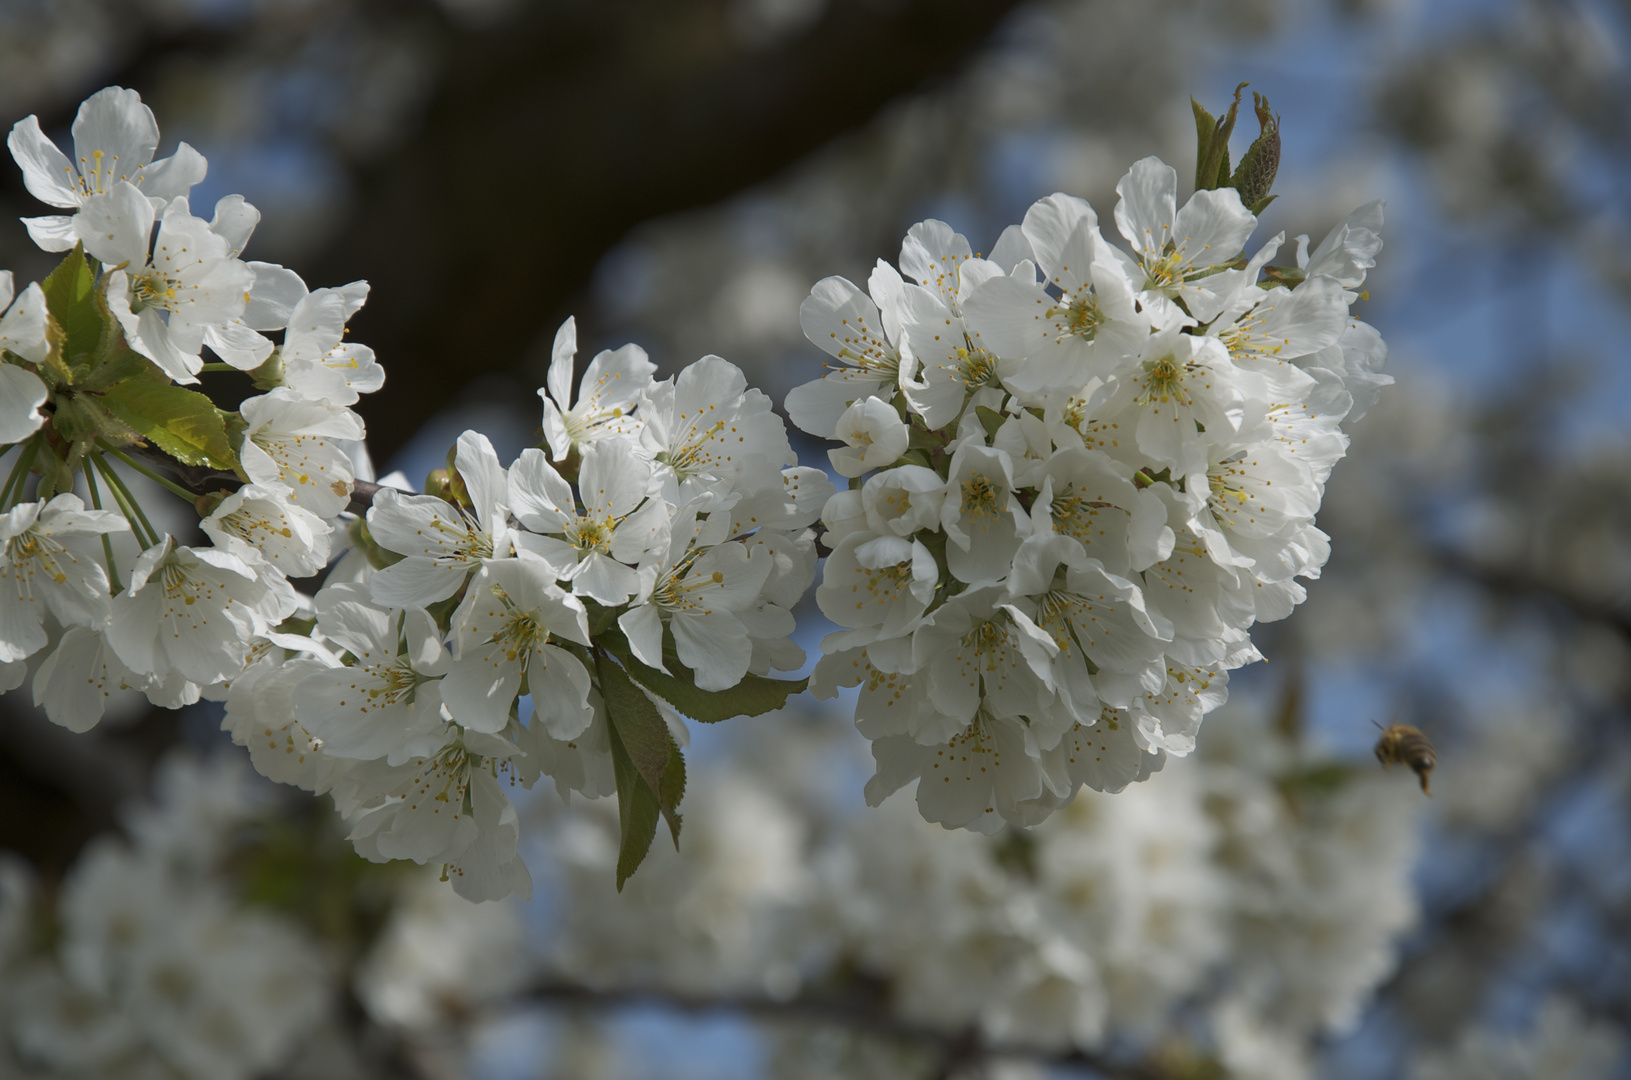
(1402,744)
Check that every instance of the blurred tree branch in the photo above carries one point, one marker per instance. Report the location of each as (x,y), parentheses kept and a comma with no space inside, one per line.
(535,158)
(1507,581)
(955,1052)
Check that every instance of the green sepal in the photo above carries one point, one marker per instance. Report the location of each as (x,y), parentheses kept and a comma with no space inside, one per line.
(379,558)
(56,475)
(920,457)
(269,376)
(755,695)
(182,423)
(1205,125)
(456,491)
(438,485)
(990,419)
(81,418)
(1290,276)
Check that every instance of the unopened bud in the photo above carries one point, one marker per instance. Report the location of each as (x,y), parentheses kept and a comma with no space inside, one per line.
(363,540)
(269,376)
(1255,176)
(206,504)
(456,492)
(439,483)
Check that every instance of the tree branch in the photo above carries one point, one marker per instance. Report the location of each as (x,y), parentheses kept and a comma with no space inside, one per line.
(204,481)
(1515,580)
(862,1015)
(553,135)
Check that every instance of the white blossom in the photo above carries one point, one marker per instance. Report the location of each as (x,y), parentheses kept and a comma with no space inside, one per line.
(707,430)
(387,702)
(50,564)
(606,394)
(443,543)
(189,612)
(865,334)
(502,636)
(264,523)
(115,136)
(873,434)
(618,526)
(22,333)
(294,443)
(191,284)
(1108,475)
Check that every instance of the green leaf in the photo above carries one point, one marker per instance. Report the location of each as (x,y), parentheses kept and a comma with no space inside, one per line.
(123,363)
(753,696)
(637,811)
(601,617)
(70,297)
(646,740)
(671,792)
(644,732)
(1212,148)
(919,439)
(182,423)
(1205,126)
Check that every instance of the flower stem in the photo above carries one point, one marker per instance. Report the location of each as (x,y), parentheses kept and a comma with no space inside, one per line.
(19,472)
(174,488)
(107,541)
(127,504)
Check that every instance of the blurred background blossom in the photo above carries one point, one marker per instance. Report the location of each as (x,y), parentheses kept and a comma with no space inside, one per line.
(678,174)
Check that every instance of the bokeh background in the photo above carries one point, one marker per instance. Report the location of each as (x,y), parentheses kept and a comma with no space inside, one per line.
(679,172)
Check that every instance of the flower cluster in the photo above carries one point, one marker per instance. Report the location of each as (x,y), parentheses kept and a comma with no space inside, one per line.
(1255,888)
(512,622)
(529,620)
(88,392)
(146,962)
(1078,475)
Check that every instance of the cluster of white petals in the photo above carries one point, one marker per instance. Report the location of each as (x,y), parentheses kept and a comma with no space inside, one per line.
(144,963)
(1562,1043)
(660,535)
(1078,475)
(182,621)
(1262,891)
(667,522)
